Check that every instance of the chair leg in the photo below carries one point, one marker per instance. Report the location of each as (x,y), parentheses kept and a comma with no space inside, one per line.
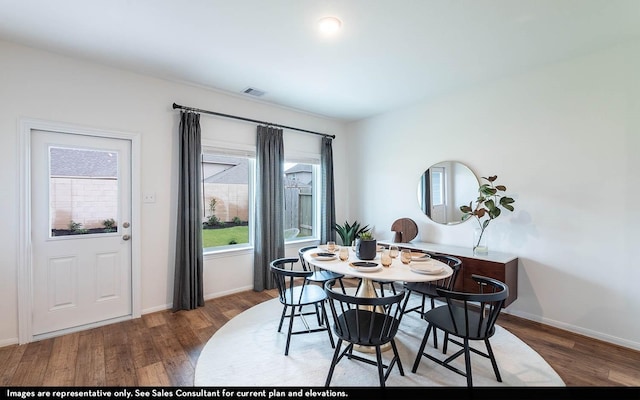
(397,357)
(284,312)
(326,321)
(435,331)
(380,366)
(493,360)
(467,362)
(406,300)
(334,361)
(293,313)
(446,343)
(421,349)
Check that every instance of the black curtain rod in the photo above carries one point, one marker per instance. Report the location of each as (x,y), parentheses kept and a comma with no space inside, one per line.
(249,120)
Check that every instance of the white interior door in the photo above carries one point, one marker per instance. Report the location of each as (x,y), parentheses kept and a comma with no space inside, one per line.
(80,230)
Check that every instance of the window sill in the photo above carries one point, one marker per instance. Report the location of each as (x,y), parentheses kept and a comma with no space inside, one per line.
(227,251)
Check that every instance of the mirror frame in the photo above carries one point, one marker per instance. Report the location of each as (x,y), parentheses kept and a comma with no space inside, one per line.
(456,185)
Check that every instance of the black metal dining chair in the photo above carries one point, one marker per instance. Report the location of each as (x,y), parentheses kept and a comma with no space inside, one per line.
(465,318)
(429,289)
(295,297)
(365,321)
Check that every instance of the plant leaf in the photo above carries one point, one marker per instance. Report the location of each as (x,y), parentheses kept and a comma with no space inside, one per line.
(491,178)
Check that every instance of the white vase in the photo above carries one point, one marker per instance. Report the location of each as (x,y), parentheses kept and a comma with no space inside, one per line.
(480,242)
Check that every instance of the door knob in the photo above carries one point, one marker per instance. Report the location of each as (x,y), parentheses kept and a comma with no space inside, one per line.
(125,225)
(126,237)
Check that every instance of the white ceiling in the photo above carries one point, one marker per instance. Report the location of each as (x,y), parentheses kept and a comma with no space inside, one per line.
(389,53)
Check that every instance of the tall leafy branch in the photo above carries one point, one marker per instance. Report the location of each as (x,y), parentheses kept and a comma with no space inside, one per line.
(491,199)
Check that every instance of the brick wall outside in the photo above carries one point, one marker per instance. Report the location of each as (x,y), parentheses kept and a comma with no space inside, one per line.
(88,201)
(232,201)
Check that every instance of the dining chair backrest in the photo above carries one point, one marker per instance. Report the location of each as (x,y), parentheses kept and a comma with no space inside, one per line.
(474,315)
(285,275)
(429,289)
(303,262)
(454,263)
(366,321)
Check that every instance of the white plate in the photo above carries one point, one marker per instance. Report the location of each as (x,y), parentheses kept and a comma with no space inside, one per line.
(417,256)
(427,268)
(323,256)
(365,266)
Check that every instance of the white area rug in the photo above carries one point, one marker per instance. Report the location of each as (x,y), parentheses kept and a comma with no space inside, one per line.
(248,351)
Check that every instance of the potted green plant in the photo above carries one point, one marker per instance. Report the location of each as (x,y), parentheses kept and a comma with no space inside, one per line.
(349,232)
(366,246)
(488,206)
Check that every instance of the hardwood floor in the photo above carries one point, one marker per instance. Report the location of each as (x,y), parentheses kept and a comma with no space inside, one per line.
(161,349)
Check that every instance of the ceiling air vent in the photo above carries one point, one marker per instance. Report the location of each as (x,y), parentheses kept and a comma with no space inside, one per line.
(253,92)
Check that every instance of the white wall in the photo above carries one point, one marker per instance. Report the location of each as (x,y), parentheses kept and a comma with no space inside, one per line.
(40,85)
(565,140)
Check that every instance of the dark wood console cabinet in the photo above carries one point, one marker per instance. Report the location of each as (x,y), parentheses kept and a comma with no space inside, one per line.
(497,265)
(504,272)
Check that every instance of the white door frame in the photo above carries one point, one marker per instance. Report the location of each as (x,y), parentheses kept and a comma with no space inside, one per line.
(25,266)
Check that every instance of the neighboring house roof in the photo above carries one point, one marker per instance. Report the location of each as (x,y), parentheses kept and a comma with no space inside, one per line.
(83,163)
(299,168)
(237,174)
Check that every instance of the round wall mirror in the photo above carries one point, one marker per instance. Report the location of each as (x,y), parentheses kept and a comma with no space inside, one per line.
(443,188)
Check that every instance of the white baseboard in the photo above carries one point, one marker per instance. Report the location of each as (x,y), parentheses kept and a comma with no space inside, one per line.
(576,329)
(8,342)
(206,297)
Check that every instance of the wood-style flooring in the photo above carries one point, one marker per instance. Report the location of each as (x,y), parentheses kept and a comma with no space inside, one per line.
(161,349)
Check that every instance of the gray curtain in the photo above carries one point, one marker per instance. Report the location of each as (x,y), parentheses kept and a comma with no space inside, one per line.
(328,198)
(269,219)
(188,290)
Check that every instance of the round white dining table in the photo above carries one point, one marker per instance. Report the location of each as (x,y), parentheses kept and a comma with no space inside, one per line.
(397,272)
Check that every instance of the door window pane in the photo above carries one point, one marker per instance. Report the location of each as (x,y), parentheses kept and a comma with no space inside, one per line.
(83,191)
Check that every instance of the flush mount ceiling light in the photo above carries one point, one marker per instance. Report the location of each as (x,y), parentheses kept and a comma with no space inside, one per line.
(329,25)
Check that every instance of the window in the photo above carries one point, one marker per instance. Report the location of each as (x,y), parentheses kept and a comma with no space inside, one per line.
(83,191)
(227,198)
(300,220)
(226,192)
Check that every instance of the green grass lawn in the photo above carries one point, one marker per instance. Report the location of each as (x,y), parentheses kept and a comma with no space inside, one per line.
(223,237)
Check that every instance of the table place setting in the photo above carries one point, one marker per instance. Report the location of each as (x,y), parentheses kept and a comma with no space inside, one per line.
(365,266)
(324,256)
(426,267)
(418,256)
